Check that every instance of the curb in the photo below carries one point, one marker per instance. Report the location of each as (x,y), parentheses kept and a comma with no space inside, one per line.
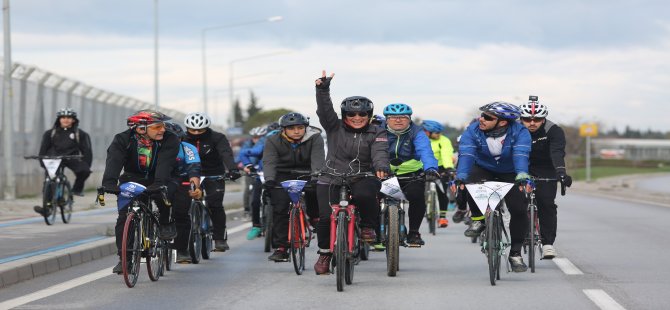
(32,267)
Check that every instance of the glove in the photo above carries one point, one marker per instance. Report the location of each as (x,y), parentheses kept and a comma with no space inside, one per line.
(522,179)
(325,83)
(270,185)
(112,189)
(432,175)
(154,188)
(564,178)
(234,174)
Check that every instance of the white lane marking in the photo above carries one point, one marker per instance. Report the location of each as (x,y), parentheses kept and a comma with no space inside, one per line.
(602,300)
(53,290)
(567,266)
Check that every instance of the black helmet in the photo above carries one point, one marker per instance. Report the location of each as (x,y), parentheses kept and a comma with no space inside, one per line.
(273,126)
(293,118)
(66,112)
(175,129)
(357,104)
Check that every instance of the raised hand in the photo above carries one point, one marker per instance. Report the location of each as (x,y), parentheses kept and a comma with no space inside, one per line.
(324,81)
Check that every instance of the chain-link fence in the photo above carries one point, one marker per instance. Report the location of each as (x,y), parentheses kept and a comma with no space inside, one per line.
(37,95)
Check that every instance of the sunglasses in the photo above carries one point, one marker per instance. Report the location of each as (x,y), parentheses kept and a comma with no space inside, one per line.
(532,119)
(196,130)
(359,114)
(488,117)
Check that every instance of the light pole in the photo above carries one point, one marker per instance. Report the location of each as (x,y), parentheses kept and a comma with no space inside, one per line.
(8,124)
(156,54)
(204,53)
(231,88)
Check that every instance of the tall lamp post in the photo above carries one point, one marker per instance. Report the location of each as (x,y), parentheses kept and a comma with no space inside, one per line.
(156,55)
(204,53)
(8,111)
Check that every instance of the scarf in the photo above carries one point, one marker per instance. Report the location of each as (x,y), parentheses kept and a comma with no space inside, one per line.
(144,147)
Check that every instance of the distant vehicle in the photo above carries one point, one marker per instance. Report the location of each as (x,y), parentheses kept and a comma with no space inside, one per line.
(612,154)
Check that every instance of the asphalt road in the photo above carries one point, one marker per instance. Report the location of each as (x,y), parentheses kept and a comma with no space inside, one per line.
(655,183)
(618,247)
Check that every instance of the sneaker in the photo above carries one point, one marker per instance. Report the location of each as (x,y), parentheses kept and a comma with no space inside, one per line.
(183,257)
(221,245)
(254,233)
(458,216)
(380,247)
(475,229)
(368,234)
(451,206)
(42,211)
(414,238)
(167,231)
(517,263)
(280,255)
(118,269)
(549,251)
(322,265)
(443,222)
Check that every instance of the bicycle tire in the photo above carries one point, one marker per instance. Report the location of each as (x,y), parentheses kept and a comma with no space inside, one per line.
(531,237)
(49,203)
(430,210)
(492,244)
(131,249)
(365,251)
(341,249)
(162,244)
(152,256)
(195,238)
(435,210)
(66,207)
(353,258)
(296,239)
(168,256)
(207,238)
(268,226)
(392,240)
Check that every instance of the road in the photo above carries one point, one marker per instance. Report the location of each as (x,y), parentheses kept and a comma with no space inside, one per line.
(655,184)
(618,246)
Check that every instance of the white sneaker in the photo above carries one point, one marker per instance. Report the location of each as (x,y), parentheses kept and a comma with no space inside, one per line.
(549,251)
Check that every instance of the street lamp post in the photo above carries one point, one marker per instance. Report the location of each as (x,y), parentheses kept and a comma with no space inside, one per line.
(156,54)
(8,113)
(204,53)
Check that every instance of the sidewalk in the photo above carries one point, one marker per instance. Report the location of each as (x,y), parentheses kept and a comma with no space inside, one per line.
(624,188)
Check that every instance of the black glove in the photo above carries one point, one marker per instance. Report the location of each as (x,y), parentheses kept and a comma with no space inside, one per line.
(270,185)
(564,178)
(432,175)
(234,174)
(112,189)
(154,188)
(251,168)
(325,83)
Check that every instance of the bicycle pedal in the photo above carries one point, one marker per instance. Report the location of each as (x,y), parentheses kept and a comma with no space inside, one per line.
(412,245)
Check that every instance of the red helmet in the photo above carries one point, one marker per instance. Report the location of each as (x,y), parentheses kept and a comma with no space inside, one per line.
(146,117)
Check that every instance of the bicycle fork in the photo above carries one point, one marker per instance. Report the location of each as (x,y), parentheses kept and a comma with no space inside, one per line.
(351,225)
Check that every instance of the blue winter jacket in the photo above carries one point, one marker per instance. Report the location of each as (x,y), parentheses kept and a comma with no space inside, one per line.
(413,148)
(188,161)
(473,149)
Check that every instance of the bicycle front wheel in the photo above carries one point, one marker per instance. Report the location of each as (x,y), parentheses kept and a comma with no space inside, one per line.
(49,202)
(131,249)
(431,214)
(267,209)
(392,240)
(151,249)
(296,231)
(531,237)
(206,232)
(341,249)
(493,245)
(195,244)
(65,202)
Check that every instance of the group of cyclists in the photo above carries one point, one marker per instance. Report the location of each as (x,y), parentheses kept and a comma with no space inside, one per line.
(507,143)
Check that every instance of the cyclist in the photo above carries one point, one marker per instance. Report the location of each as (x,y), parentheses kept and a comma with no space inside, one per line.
(354,146)
(215,157)
(66,138)
(249,158)
(444,153)
(547,160)
(146,153)
(298,147)
(496,149)
(185,171)
(408,142)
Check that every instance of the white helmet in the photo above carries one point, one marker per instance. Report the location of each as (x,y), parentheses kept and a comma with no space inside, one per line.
(534,109)
(197,120)
(258,131)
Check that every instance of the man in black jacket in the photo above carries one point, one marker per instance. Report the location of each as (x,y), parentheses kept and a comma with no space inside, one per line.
(215,157)
(65,138)
(298,147)
(147,154)
(547,160)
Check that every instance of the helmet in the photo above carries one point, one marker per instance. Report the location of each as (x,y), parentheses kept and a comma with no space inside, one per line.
(432,126)
(293,118)
(397,109)
(502,110)
(377,119)
(146,117)
(66,112)
(258,131)
(273,126)
(175,129)
(197,120)
(533,109)
(357,104)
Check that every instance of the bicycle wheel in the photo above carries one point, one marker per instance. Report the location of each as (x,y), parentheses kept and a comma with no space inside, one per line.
(49,202)
(531,237)
(195,244)
(492,245)
(151,249)
(168,256)
(131,249)
(162,244)
(296,239)
(365,251)
(268,226)
(353,258)
(392,240)
(206,232)
(431,216)
(66,204)
(341,249)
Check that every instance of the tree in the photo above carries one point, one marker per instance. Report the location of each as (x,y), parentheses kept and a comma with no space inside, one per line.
(264,118)
(239,117)
(253,108)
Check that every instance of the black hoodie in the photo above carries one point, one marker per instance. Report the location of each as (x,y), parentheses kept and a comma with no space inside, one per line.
(67,141)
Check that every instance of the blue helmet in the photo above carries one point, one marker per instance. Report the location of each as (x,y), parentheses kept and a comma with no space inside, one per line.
(397,109)
(432,126)
(502,110)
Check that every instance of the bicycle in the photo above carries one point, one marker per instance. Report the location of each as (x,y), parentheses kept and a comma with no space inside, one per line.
(491,239)
(345,243)
(432,207)
(140,231)
(265,212)
(299,232)
(533,242)
(203,227)
(56,189)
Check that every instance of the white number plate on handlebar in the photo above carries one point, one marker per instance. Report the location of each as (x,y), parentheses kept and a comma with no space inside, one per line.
(391,188)
(52,166)
(488,194)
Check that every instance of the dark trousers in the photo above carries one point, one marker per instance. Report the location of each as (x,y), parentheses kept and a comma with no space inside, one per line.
(215,190)
(442,196)
(81,172)
(545,196)
(364,197)
(280,213)
(255,197)
(164,211)
(415,193)
(516,202)
(181,205)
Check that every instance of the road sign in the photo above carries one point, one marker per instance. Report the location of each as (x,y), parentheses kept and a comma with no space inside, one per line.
(588,130)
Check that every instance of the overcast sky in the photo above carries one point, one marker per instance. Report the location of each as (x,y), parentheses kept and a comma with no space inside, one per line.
(605,61)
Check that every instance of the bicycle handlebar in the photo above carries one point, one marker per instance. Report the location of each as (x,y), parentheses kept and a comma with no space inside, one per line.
(563,186)
(162,190)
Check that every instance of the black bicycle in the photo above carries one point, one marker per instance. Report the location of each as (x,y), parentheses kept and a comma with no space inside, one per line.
(56,190)
(532,245)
